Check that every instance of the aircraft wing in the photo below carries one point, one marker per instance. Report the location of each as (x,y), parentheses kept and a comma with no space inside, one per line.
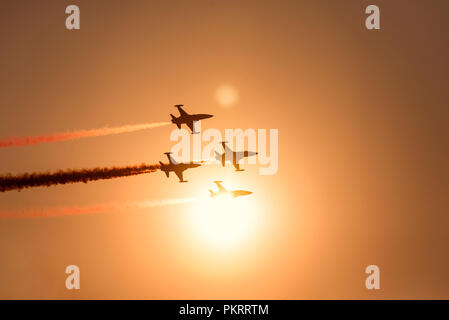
(220,187)
(169,158)
(180,175)
(239,156)
(226,148)
(190,125)
(181,111)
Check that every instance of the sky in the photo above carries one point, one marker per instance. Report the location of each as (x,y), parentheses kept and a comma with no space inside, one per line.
(362,176)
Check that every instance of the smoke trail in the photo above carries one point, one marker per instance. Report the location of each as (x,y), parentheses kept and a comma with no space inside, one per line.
(95,209)
(19,182)
(57,137)
(210,161)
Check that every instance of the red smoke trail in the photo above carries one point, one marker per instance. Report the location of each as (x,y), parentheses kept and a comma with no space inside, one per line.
(57,137)
(95,209)
(19,182)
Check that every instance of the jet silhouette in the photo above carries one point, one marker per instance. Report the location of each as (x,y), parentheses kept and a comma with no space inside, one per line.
(236,156)
(186,118)
(222,191)
(177,168)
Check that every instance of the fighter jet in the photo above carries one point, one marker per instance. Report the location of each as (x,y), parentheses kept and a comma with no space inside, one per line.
(222,191)
(177,168)
(186,118)
(236,156)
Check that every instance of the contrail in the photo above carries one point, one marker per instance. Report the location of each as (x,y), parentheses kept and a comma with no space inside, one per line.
(94,209)
(19,182)
(57,137)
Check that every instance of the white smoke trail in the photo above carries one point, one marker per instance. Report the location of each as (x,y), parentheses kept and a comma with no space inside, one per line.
(94,209)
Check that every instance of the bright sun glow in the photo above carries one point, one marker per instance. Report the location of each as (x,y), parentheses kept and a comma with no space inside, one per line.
(224,222)
(226,95)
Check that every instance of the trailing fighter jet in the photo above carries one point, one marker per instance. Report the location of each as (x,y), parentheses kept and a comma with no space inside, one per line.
(177,168)
(186,118)
(236,156)
(222,191)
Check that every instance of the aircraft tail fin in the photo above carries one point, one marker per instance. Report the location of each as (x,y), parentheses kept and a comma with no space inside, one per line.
(165,171)
(173,120)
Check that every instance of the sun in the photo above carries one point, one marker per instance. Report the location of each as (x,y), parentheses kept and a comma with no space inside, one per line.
(226,95)
(224,222)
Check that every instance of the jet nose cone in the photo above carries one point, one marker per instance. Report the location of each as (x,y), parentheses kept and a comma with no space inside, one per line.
(202,116)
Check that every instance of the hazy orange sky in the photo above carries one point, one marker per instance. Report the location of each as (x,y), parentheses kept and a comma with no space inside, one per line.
(362,119)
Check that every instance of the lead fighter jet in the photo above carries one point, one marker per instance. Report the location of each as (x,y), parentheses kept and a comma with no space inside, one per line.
(222,191)
(187,119)
(177,168)
(236,156)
